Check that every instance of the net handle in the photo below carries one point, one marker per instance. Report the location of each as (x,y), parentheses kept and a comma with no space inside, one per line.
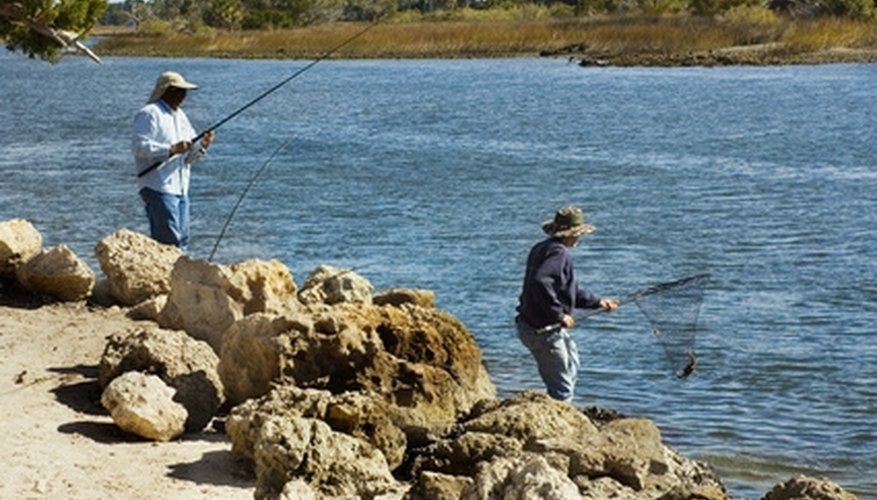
(632,297)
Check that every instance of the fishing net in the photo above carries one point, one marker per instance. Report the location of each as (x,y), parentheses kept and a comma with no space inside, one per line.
(672,310)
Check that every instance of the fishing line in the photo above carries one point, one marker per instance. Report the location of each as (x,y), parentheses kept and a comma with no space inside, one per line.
(243,194)
(272,89)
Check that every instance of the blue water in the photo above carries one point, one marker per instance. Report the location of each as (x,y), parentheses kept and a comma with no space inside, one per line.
(437,174)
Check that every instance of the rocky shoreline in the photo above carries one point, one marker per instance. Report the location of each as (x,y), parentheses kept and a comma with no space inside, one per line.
(333,390)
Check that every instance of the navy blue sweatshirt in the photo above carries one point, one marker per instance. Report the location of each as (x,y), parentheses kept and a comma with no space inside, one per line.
(550,288)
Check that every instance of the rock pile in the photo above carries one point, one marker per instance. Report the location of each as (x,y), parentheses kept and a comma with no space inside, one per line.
(335,391)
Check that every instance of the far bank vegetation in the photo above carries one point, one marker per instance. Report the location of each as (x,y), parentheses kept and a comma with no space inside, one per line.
(489,28)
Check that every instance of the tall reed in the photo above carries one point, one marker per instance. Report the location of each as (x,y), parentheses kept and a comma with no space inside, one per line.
(485,36)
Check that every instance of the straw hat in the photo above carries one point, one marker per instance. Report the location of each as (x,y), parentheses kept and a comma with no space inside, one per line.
(567,222)
(167,80)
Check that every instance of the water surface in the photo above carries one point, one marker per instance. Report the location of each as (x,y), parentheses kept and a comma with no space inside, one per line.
(437,174)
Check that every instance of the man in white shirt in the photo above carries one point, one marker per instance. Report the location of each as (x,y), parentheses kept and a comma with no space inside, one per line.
(163,148)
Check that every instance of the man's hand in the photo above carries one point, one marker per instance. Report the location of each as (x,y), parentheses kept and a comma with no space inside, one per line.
(207,138)
(609,304)
(567,321)
(180,148)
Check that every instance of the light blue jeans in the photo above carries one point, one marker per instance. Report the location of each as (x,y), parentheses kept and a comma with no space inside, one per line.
(556,355)
(168,216)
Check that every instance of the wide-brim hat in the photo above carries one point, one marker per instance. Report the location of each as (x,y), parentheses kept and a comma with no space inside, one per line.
(567,222)
(167,80)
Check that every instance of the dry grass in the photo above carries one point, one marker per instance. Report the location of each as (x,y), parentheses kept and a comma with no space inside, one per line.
(497,37)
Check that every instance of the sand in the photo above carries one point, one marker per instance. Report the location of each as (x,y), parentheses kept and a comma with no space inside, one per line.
(60,443)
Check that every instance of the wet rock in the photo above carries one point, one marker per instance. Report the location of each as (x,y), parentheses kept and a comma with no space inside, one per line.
(187,365)
(808,488)
(19,241)
(137,267)
(59,273)
(143,405)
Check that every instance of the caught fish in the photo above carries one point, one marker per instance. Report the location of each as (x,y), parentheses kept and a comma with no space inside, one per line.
(689,368)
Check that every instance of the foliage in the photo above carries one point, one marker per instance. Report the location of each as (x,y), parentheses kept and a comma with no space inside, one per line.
(187,15)
(751,24)
(856,9)
(25,25)
(663,6)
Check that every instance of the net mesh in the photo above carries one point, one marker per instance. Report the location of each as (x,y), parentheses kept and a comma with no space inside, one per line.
(672,310)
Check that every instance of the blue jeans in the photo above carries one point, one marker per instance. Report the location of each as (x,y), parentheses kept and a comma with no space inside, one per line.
(168,216)
(556,355)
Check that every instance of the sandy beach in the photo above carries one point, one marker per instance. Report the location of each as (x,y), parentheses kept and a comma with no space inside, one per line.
(61,444)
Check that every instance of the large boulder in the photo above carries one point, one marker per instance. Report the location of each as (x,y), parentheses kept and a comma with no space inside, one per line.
(186,364)
(254,351)
(509,443)
(206,299)
(19,241)
(143,405)
(137,267)
(421,359)
(57,272)
(336,465)
(363,416)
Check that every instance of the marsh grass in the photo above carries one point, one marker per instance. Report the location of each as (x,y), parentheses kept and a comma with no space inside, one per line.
(516,33)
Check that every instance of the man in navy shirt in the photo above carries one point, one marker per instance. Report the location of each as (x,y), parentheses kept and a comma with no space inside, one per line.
(549,295)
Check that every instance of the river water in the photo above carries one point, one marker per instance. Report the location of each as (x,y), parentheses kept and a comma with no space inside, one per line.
(437,174)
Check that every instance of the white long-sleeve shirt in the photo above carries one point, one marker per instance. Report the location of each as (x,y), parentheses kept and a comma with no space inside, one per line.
(156,128)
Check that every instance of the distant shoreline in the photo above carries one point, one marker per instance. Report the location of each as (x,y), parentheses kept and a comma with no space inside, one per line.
(619,41)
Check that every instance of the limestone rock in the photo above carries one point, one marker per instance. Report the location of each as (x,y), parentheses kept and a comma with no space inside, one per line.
(808,488)
(57,272)
(399,296)
(436,486)
(206,299)
(359,415)
(334,464)
(149,309)
(253,353)
(298,490)
(330,285)
(19,241)
(142,404)
(187,365)
(621,458)
(137,267)
(420,359)
(527,476)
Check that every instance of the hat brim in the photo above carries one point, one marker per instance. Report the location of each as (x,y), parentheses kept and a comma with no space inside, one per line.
(551,229)
(159,90)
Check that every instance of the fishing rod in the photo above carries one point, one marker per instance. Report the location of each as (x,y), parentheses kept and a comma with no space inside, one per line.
(272,90)
(243,194)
